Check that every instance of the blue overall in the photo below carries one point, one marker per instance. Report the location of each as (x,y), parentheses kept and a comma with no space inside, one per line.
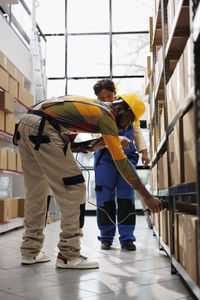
(110,185)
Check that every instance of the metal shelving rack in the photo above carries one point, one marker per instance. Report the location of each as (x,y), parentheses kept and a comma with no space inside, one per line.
(188,193)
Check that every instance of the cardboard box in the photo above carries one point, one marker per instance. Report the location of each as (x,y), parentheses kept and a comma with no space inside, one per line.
(12,70)
(191,247)
(6,102)
(177,163)
(19,166)
(150,32)
(20,78)
(158,65)
(176,236)
(12,208)
(148,66)
(188,60)
(189,146)
(174,156)
(23,95)
(13,87)
(182,239)
(165,168)
(157,223)
(3,210)
(153,178)
(162,122)
(2,120)
(21,207)
(180,84)
(10,122)
(164,226)
(159,170)
(4,79)
(11,160)
(168,230)
(163,173)
(174,100)
(3,158)
(168,98)
(3,61)
(146,83)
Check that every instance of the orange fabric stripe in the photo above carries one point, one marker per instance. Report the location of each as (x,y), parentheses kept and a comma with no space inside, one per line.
(114,146)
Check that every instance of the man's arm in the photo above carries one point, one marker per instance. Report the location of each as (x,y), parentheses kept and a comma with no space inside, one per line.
(109,133)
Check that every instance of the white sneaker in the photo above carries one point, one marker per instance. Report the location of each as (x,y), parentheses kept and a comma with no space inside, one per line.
(77,263)
(29,260)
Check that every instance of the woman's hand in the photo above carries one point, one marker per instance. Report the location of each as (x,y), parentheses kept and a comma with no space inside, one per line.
(145,158)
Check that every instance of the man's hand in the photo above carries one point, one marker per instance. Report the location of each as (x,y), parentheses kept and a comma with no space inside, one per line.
(145,158)
(124,141)
(154,204)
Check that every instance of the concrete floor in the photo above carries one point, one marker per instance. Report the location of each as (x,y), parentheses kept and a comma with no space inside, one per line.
(143,274)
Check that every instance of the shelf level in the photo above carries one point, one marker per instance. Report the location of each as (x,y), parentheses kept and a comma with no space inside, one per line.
(179,32)
(11,224)
(10,172)
(183,108)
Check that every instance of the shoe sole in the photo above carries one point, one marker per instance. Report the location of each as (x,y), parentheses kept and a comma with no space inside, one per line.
(63,266)
(106,249)
(26,262)
(129,249)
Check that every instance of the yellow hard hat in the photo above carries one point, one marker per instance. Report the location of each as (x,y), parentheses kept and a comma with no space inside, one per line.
(137,106)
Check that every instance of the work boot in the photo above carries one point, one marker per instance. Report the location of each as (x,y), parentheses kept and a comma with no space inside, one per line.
(129,246)
(105,246)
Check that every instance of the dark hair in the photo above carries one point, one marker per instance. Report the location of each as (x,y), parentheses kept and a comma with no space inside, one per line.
(106,84)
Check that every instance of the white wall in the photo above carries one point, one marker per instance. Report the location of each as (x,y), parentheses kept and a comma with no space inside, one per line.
(12,47)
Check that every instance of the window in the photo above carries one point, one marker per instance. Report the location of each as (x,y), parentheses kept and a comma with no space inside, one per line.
(129,15)
(83,87)
(103,39)
(88,56)
(54,12)
(87,16)
(55,56)
(129,54)
(55,88)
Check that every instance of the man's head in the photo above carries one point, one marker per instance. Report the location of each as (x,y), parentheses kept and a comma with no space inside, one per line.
(123,114)
(105,90)
(128,108)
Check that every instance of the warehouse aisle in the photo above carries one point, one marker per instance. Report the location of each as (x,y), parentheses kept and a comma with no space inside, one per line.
(144,274)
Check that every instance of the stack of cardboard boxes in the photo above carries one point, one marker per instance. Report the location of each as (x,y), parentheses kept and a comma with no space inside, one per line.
(12,90)
(11,208)
(185,239)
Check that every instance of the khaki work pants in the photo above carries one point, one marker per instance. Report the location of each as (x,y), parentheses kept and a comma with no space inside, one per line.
(44,168)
